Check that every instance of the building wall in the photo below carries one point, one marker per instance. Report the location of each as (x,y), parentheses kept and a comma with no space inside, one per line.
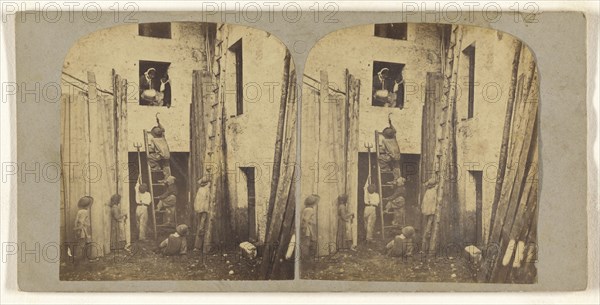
(356,48)
(251,136)
(478,139)
(121,48)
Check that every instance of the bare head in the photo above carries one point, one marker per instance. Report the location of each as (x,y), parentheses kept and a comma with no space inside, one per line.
(115,199)
(312,200)
(143,188)
(371,188)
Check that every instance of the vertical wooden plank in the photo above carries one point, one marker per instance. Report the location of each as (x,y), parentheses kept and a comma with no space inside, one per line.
(122,161)
(352,148)
(97,173)
(506,133)
(279,137)
(280,223)
(324,236)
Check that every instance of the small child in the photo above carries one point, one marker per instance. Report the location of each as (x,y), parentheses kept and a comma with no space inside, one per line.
(83,228)
(402,245)
(176,243)
(117,223)
(308,227)
(344,227)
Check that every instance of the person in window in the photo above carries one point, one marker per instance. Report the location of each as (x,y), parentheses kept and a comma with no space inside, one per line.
(398,91)
(381,87)
(165,90)
(148,87)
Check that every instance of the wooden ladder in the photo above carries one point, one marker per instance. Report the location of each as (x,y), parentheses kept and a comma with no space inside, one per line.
(444,144)
(384,177)
(154,182)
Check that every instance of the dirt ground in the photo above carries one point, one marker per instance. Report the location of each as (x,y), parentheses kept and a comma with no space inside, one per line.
(142,263)
(369,263)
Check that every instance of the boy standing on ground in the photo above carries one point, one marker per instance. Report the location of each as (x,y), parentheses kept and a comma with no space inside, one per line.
(143,200)
(371,198)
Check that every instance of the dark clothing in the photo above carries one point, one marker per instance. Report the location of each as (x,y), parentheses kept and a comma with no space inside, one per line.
(117,228)
(174,245)
(171,190)
(167,93)
(200,231)
(400,246)
(344,233)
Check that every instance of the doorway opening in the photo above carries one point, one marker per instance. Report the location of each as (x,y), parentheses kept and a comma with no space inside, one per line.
(179,169)
(474,205)
(250,177)
(410,166)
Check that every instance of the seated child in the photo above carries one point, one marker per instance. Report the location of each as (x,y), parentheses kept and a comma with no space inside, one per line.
(402,245)
(176,243)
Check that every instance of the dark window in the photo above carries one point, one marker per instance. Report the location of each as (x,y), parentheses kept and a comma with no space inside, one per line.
(469,53)
(236,49)
(391,30)
(157,30)
(388,84)
(154,83)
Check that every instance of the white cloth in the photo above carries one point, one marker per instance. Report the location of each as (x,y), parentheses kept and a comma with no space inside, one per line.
(149,80)
(142,198)
(370,218)
(371,199)
(202,200)
(429,203)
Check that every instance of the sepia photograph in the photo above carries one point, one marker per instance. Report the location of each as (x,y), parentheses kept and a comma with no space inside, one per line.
(419,155)
(184,132)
